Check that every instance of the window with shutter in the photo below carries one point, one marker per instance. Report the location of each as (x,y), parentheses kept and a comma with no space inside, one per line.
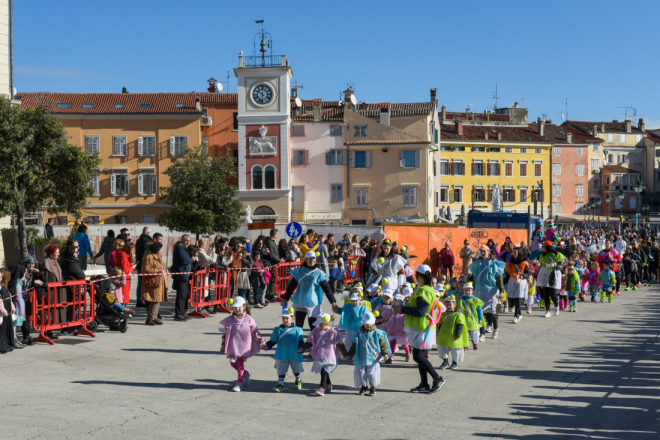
(523,169)
(94,184)
(119,183)
(508,169)
(297,130)
(360,159)
(458,195)
(119,145)
(140,184)
(360,131)
(178,145)
(147,146)
(408,159)
(537,170)
(336,130)
(368,159)
(523,194)
(269,175)
(580,170)
(92,144)
(409,197)
(336,193)
(361,197)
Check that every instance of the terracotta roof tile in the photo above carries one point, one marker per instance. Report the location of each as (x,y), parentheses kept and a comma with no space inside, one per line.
(617,169)
(653,135)
(402,142)
(397,109)
(481,117)
(105,103)
(616,127)
(218,98)
(332,111)
(553,134)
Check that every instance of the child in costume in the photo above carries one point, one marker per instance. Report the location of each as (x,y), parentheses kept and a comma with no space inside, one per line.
(592,282)
(385,309)
(607,281)
(240,340)
(396,335)
(119,282)
(110,298)
(452,334)
(351,314)
(551,232)
(289,339)
(573,287)
(472,307)
(531,293)
(324,341)
(562,295)
(373,296)
(368,346)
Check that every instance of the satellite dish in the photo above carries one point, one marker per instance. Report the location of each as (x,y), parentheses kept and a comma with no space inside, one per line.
(15,91)
(219,86)
(298,102)
(353,100)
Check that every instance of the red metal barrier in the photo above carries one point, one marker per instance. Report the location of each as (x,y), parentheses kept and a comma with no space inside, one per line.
(65,304)
(282,276)
(208,288)
(354,271)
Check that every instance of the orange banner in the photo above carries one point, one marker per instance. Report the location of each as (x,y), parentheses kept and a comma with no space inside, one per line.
(426,242)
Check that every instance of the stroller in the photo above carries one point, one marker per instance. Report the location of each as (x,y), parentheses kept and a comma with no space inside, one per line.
(105,314)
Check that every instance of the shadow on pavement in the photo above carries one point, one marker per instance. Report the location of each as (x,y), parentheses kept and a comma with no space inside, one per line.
(605,391)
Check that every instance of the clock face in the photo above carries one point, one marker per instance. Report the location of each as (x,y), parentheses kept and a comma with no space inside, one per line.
(262,94)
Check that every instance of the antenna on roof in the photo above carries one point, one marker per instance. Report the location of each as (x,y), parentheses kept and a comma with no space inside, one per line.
(495,96)
(626,110)
(566,110)
(294,89)
(264,44)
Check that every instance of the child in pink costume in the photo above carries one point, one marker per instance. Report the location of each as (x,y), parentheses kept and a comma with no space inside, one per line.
(395,332)
(241,340)
(325,342)
(385,309)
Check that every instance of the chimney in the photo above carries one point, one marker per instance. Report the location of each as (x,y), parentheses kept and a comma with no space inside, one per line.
(444,113)
(499,135)
(467,114)
(347,99)
(459,127)
(486,135)
(213,88)
(198,105)
(640,125)
(569,137)
(541,128)
(628,124)
(433,93)
(602,127)
(317,110)
(595,133)
(539,120)
(515,105)
(384,113)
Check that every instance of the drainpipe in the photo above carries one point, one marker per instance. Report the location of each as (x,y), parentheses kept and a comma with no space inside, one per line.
(348,180)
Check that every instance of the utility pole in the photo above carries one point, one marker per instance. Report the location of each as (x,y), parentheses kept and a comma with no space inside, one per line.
(11,49)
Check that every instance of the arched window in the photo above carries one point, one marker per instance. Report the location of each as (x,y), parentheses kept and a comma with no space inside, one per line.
(270,177)
(257,178)
(263,210)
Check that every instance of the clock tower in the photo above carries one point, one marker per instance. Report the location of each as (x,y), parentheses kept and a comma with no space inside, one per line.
(264,163)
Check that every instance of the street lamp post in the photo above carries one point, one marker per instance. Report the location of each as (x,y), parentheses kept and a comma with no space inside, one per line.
(600,210)
(608,199)
(639,187)
(621,196)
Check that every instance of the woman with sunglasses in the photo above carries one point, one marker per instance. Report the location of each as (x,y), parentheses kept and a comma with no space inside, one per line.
(487,277)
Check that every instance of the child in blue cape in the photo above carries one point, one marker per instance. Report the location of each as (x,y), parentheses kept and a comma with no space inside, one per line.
(368,347)
(351,314)
(373,296)
(288,339)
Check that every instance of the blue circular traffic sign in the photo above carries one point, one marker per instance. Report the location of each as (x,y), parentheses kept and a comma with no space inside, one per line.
(293,230)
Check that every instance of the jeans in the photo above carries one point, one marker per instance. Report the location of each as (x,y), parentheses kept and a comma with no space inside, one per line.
(181,304)
(119,307)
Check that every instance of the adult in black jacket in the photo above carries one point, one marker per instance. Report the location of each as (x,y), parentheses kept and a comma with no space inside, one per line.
(181,262)
(106,249)
(139,253)
(29,276)
(48,228)
(71,271)
(6,333)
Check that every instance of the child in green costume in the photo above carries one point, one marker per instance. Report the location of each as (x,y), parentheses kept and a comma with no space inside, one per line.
(473,313)
(452,334)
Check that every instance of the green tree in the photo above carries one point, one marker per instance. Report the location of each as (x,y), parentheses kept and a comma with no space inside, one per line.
(201,201)
(39,169)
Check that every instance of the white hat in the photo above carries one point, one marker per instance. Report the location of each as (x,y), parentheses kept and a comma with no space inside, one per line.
(287,311)
(238,301)
(407,291)
(357,288)
(468,286)
(423,268)
(372,288)
(355,296)
(323,317)
(388,292)
(310,254)
(449,298)
(368,318)
(399,297)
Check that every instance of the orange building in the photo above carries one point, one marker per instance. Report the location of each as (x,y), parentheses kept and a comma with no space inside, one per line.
(136,135)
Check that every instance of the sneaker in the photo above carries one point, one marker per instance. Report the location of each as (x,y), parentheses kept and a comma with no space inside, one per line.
(246,378)
(515,320)
(437,384)
(648,284)
(297,385)
(422,389)
(602,300)
(362,391)
(593,299)
(372,392)
(547,314)
(627,289)
(408,358)
(238,387)
(506,310)
(634,288)
(556,312)
(320,392)
(445,364)
(496,333)
(609,301)
(489,329)
(638,286)
(454,366)
(529,311)
(482,338)
(389,361)
(278,388)
(328,388)
(519,318)
(179,318)
(474,346)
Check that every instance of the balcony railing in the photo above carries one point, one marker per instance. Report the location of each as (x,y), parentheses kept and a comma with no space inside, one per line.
(252,61)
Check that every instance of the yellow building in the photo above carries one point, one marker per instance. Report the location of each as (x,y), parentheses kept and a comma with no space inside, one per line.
(475,157)
(136,135)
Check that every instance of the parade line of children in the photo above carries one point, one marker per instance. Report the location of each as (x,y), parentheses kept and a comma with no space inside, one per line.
(372,328)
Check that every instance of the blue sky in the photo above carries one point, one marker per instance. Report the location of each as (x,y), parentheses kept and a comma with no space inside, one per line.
(598,54)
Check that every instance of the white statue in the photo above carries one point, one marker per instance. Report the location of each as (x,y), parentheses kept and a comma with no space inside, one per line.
(265,146)
(248,214)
